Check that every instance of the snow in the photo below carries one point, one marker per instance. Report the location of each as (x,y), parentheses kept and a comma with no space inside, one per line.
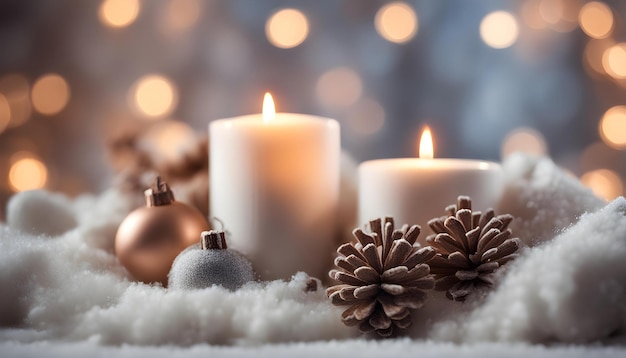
(63,292)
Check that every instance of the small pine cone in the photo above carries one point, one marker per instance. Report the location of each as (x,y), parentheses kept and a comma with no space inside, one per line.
(383,275)
(470,247)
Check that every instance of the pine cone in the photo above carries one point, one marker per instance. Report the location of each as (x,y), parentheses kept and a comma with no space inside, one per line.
(470,247)
(384,275)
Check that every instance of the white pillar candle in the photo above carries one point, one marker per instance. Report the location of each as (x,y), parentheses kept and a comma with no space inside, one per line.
(274,183)
(415,190)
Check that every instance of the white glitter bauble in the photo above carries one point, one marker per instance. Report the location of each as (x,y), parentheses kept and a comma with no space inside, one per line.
(210,263)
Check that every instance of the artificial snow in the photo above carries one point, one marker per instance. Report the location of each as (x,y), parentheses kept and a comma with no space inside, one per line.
(62,284)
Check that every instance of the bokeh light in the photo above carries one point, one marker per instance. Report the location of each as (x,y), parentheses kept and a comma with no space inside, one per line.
(614,61)
(16,90)
(612,127)
(560,14)
(287,28)
(154,96)
(118,13)
(396,22)
(604,183)
(168,140)
(531,14)
(5,112)
(593,53)
(526,140)
(27,172)
(180,15)
(50,94)
(339,87)
(596,19)
(499,29)
(366,118)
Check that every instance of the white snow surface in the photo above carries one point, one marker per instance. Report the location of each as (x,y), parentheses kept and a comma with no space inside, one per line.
(67,295)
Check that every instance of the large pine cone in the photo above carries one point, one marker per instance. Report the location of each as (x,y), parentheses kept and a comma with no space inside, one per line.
(470,247)
(384,275)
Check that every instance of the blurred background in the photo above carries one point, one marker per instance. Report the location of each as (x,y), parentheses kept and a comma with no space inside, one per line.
(490,77)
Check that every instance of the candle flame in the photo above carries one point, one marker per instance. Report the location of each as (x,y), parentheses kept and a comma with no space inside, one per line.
(426,149)
(269,110)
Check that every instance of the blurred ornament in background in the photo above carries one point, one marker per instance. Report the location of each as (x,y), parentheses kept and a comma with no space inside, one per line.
(150,238)
(525,140)
(613,127)
(596,20)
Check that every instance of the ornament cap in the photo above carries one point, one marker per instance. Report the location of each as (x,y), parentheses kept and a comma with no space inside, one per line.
(213,240)
(159,194)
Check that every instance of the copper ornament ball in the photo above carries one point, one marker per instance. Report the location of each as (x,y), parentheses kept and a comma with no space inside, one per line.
(150,238)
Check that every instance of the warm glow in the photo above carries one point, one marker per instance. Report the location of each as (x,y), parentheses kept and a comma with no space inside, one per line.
(612,127)
(594,52)
(526,140)
(180,15)
(614,61)
(5,112)
(339,87)
(118,13)
(16,89)
(396,22)
(367,117)
(426,150)
(287,28)
(499,29)
(169,140)
(50,94)
(154,96)
(604,183)
(27,173)
(531,14)
(596,20)
(269,109)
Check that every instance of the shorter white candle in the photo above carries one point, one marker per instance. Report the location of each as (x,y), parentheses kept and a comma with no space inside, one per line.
(415,190)
(274,183)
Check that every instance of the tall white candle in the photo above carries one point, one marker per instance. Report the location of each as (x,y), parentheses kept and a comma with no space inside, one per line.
(415,190)
(274,183)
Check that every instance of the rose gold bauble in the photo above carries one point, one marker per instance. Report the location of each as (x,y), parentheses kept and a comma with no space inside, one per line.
(150,238)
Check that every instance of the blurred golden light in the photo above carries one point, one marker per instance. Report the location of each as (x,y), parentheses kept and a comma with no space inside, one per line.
(594,52)
(614,61)
(612,127)
(499,29)
(596,19)
(561,14)
(169,140)
(526,140)
(180,15)
(604,183)
(118,13)
(50,94)
(367,118)
(154,96)
(339,87)
(396,22)
(426,148)
(27,173)
(531,14)
(287,28)
(5,113)
(16,89)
